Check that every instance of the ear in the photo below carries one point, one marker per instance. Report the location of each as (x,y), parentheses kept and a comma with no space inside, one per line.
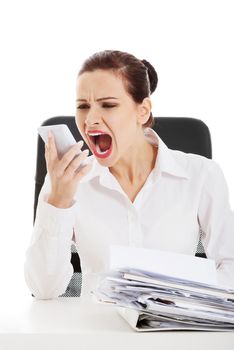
(144,110)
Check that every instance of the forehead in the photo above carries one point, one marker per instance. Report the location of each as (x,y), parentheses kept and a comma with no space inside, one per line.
(100,83)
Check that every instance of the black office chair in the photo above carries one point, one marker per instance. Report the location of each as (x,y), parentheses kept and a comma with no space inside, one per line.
(189,135)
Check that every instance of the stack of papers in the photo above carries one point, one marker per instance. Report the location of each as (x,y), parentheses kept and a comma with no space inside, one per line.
(150,300)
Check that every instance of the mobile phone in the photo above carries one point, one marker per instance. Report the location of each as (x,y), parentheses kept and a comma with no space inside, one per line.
(64,139)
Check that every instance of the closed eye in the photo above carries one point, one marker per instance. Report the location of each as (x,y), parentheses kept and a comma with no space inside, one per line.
(82,106)
(108,106)
(104,106)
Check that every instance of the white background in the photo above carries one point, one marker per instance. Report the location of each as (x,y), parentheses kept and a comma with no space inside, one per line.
(43,44)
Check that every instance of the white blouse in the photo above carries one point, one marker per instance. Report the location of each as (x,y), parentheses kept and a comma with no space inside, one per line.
(184,193)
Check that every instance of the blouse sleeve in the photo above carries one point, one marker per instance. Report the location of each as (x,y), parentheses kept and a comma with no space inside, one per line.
(216,220)
(47,268)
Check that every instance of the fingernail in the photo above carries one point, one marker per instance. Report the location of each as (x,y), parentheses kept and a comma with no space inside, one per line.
(80,143)
(86,151)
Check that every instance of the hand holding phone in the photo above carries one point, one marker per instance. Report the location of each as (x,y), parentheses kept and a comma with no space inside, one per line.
(65,172)
(64,139)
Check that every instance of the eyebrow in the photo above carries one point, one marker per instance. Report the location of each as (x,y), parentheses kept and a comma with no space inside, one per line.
(99,99)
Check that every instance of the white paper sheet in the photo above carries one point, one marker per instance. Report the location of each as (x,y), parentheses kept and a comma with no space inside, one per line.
(166,263)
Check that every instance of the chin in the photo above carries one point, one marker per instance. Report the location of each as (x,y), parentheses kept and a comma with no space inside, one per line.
(106,162)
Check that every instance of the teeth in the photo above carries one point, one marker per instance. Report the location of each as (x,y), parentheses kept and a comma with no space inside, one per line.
(97,134)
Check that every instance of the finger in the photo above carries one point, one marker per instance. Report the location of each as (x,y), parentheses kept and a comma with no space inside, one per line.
(46,149)
(84,171)
(76,162)
(46,159)
(46,152)
(52,150)
(69,156)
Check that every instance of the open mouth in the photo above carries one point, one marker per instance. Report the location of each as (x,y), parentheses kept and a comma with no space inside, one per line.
(101,143)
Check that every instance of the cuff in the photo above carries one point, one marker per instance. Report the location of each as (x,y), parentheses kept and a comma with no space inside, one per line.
(55,221)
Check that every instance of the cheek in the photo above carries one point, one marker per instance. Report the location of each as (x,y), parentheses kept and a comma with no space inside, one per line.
(81,128)
(80,122)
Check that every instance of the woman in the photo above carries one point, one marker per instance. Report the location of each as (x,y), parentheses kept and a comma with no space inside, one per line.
(134,190)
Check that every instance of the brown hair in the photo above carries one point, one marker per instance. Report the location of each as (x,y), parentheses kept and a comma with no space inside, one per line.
(139,76)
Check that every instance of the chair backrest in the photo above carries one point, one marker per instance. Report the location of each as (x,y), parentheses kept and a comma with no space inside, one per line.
(189,135)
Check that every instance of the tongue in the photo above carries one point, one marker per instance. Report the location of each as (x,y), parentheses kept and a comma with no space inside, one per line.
(104,142)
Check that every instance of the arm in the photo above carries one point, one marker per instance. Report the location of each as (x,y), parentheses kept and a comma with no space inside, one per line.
(47,267)
(217,222)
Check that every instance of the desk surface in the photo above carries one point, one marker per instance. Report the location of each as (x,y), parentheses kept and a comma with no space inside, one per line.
(66,323)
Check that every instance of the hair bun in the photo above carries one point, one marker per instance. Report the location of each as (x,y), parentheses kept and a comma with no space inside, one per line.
(153,76)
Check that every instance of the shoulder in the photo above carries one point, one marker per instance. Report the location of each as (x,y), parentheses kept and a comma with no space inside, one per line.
(195,164)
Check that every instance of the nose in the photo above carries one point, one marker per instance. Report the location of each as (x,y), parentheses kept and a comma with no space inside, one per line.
(93,117)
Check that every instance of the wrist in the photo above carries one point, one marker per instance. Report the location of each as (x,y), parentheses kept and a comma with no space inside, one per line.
(60,202)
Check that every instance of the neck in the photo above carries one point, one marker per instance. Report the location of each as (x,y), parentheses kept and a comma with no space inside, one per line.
(137,164)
